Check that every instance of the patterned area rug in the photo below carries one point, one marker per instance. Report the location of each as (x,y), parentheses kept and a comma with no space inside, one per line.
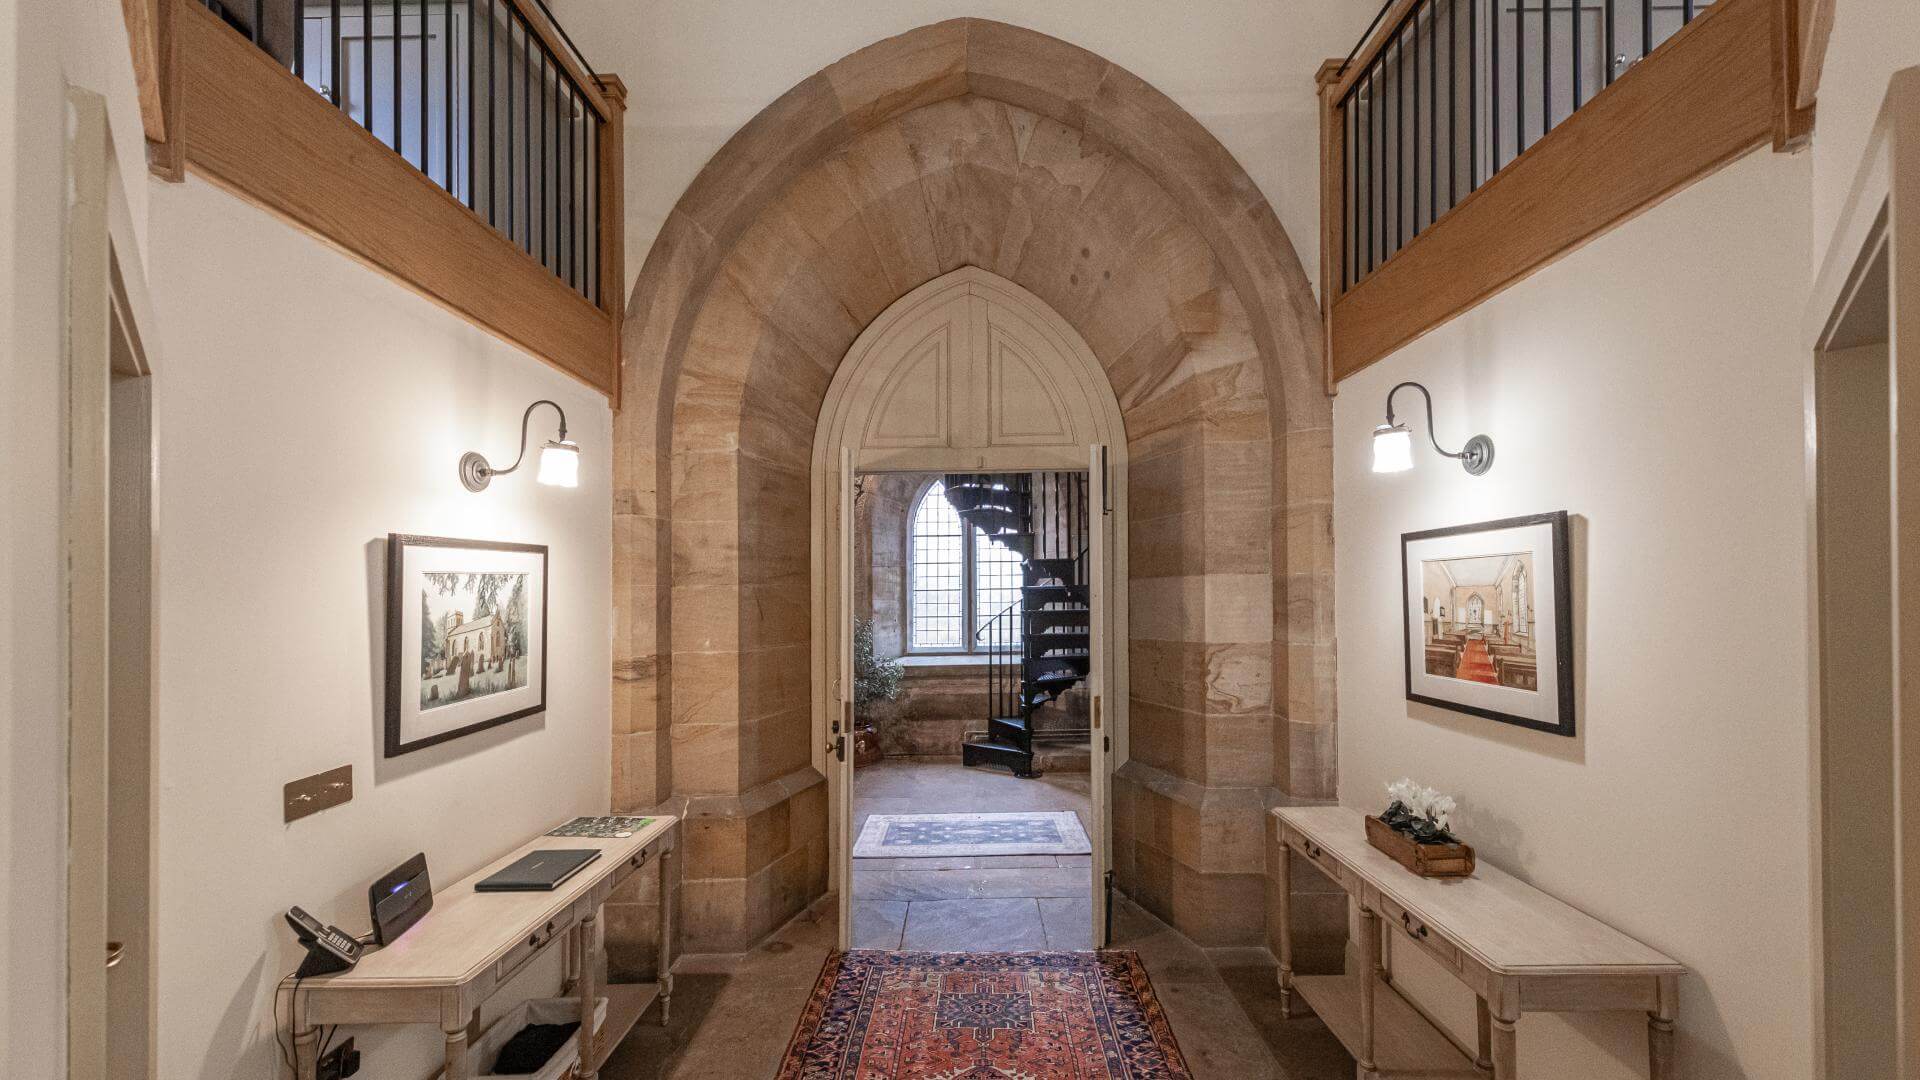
(983,1016)
(908,836)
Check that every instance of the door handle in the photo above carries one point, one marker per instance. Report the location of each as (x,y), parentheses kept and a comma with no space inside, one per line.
(116,952)
(838,747)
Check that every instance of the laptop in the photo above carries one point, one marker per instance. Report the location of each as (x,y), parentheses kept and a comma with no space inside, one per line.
(538,871)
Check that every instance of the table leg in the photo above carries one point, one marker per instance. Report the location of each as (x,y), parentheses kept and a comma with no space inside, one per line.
(1506,1048)
(1483,1059)
(1284,886)
(456,1053)
(589,976)
(1384,967)
(1660,1019)
(306,1053)
(664,964)
(1369,964)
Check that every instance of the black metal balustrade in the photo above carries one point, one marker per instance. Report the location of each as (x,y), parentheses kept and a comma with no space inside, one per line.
(473,93)
(1452,90)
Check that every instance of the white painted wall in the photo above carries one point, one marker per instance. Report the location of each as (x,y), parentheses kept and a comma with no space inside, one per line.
(45,46)
(1871,40)
(1652,385)
(305,408)
(696,72)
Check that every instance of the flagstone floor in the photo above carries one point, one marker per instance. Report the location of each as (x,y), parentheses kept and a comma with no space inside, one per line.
(733,1016)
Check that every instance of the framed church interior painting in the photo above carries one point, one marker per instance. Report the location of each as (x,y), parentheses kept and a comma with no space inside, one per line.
(1489,620)
(466,637)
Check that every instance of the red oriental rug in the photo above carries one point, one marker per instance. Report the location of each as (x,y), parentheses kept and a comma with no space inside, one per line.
(983,1016)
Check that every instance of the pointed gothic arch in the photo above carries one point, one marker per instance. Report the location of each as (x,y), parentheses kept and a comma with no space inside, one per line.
(973,143)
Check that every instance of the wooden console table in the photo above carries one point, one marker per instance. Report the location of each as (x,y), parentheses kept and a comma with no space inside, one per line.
(1517,948)
(442,969)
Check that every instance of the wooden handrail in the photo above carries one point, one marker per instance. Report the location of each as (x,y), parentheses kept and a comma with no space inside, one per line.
(1699,100)
(1389,28)
(1717,87)
(587,83)
(250,125)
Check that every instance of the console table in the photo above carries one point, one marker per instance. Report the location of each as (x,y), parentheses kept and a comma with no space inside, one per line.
(446,965)
(1517,948)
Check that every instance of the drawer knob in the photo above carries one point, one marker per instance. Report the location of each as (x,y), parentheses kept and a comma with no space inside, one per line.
(533,941)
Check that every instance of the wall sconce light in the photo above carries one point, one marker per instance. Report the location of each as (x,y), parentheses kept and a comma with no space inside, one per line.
(559,459)
(1393,443)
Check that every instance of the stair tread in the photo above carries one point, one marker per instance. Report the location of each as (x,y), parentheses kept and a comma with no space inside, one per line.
(995,744)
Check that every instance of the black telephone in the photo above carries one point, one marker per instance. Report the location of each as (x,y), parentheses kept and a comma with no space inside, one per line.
(329,948)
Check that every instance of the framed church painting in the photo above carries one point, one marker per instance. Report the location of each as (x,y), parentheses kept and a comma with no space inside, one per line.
(466,637)
(1489,620)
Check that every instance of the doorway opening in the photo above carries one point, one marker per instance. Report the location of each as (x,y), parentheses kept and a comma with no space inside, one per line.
(972,806)
(1855,639)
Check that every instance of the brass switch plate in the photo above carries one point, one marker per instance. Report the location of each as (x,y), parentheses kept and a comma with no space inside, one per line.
(321,791)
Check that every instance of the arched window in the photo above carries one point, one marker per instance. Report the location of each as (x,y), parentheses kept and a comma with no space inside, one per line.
(958,581)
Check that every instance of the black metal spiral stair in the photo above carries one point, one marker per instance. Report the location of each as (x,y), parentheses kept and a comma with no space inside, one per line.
(1038,646)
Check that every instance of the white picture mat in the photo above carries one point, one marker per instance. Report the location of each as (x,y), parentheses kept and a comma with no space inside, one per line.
(417,560)
(1543,704)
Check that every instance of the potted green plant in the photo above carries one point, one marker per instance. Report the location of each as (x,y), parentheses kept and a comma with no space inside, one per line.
(875,679)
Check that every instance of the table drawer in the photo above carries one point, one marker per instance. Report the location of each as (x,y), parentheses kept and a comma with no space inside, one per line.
(1323,859)
(1411,927)
(634,862)
(533,945)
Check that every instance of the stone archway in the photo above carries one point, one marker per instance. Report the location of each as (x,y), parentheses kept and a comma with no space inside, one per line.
(974,143)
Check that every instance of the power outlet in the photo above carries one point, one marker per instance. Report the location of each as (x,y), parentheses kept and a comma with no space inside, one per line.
(340,1062)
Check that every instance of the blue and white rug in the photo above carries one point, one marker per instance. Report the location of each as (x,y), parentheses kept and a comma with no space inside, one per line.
(1035,832)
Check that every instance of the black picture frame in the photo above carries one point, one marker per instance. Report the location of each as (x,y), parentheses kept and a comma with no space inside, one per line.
(1561,573)
(398,544)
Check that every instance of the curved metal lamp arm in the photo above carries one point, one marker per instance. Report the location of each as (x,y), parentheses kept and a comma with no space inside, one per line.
(475,473)
(527,417)
(1476,455)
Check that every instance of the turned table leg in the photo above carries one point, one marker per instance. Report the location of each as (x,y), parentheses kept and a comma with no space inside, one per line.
(1506,1047)
(589,990)
(1369,965)
(306,1053)
(1660,1030)
(1483,1058)
(664,964)
(1284,886)
(456,1052)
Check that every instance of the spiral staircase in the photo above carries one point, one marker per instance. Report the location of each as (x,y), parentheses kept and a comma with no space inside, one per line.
(1039,645)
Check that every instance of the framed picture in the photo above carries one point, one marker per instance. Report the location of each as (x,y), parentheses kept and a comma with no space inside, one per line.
(1489,620)
(466,637)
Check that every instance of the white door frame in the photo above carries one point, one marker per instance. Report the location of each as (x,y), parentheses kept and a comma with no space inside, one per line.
(108,903)
(1883,208)
(842,449)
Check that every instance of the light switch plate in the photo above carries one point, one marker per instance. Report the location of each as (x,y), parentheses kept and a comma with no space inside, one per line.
(321,791)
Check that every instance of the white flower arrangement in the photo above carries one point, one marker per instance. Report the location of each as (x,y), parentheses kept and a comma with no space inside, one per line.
(1421,812)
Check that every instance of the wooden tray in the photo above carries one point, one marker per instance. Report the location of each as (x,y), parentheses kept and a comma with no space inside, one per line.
(1426,860)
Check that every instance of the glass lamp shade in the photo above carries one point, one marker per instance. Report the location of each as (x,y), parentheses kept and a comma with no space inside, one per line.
(560,464)
(1392,449)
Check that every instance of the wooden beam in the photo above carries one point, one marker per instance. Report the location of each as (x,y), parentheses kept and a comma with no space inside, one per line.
(257,131)
(1333,219)
(1812,24)
(150,40)
(610,174)
(1700,100)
